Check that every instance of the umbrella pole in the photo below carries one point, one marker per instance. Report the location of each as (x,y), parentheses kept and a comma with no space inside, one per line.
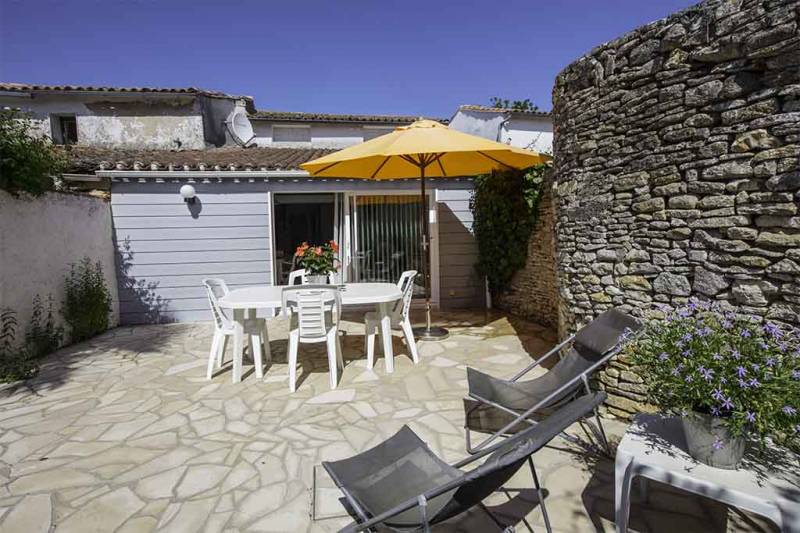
(429,332)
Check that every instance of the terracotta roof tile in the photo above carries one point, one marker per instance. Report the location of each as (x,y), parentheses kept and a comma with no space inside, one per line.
(490,109)
(87,159)
(27,87)
(296,116)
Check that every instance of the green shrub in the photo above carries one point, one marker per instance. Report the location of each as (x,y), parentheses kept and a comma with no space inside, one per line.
(28,162)
(87,301)
(16,362)
(504,207)
(43,336)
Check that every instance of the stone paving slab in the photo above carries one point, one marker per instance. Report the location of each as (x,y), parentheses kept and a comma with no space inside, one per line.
(124,433)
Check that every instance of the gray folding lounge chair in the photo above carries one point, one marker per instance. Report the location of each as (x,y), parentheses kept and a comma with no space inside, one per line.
(503,407)
(402,485)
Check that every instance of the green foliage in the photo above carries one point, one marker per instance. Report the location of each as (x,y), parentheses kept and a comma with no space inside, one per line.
(729,366)
(505,206)
(16,362)
(516,105)
(87,301)
(318,260)
(27,162)
(43,336)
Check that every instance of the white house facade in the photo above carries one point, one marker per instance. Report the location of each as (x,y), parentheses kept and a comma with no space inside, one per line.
(127,117)
(532,130)
(281,129)
(245,224)
(252,204)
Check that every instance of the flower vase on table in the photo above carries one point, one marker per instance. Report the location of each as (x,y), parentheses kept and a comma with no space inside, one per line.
(319,262)
(710,440)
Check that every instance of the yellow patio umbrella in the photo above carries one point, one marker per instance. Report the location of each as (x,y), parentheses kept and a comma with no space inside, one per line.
(424,149)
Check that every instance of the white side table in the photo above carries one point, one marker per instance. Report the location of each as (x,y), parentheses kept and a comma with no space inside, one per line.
(654,448)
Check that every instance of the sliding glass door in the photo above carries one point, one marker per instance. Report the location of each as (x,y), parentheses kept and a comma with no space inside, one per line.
(379,234)
(385,238)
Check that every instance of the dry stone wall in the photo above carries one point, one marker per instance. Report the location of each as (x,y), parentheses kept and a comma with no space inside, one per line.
(676,159)
(533,292)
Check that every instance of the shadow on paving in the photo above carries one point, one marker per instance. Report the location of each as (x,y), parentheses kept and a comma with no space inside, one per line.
(666,509)
(490,324)
(312,358)
(514,511)
(121,342)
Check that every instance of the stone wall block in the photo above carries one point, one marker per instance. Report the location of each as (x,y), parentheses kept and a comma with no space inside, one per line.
(672,284)
(703,94)
(754,140)
(709,283)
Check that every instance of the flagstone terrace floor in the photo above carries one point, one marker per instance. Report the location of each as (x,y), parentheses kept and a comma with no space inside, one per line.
(124,433)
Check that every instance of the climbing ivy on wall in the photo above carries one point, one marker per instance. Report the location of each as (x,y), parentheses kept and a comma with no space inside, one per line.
(505,206)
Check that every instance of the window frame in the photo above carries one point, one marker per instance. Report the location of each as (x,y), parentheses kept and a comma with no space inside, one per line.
(59,134)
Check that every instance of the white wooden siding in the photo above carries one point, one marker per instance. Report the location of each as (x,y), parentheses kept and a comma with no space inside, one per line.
(459,284)
(166,247)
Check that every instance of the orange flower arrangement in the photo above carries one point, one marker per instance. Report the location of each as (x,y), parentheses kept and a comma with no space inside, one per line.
(318,260)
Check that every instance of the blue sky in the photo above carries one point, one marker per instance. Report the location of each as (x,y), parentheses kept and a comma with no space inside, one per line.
(408,57)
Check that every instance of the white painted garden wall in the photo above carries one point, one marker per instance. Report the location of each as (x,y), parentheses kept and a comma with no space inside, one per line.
(40,237)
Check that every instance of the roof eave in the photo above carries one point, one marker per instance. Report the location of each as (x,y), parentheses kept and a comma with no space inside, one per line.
(500,111)
(202,174)
(336,121)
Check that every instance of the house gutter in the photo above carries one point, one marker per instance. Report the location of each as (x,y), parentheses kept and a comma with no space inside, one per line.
(234,175)
(201,174)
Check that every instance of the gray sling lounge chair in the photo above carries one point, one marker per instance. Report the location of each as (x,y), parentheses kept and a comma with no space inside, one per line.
(503,407)
(402,485)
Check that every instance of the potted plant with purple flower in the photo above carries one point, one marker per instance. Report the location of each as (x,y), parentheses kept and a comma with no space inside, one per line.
(731,379)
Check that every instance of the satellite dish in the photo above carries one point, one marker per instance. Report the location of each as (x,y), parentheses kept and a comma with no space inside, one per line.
(239,127)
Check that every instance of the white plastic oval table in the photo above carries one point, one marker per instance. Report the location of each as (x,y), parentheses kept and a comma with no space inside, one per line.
(248,299)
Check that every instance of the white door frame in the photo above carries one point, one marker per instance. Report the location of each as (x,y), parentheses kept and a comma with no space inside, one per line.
(271,201)
(272,250)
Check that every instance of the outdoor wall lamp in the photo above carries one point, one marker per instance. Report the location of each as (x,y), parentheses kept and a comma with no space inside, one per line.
(188,194)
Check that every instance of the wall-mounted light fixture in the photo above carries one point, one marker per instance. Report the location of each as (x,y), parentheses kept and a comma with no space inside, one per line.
(188,194)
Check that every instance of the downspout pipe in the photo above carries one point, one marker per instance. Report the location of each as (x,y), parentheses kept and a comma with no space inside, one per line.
(505,121)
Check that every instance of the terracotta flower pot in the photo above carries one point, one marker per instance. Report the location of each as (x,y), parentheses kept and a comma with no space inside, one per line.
(709,441)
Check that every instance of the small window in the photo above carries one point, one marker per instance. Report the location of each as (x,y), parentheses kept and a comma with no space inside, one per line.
(291,134)
(65,129)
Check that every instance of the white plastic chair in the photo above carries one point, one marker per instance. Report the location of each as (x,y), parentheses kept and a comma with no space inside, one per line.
(316,309)
(254,328)
(295,276)
(399,316)
(299,274)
